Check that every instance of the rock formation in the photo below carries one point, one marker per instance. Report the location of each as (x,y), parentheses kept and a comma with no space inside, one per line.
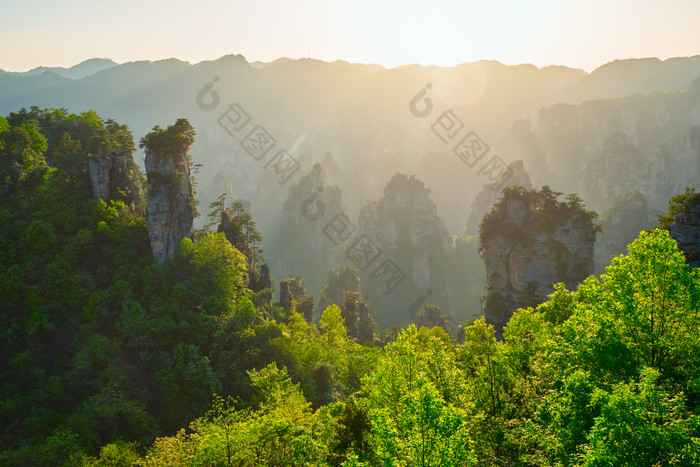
(604,149)
(303,247)
(364,325)
(265,279)
(171,204)
(487,198)
(259,280)
(431,316)
(114,175)
(529,242)
(306,308)
(230,230)
(405,229)
(285,295)
(686,231)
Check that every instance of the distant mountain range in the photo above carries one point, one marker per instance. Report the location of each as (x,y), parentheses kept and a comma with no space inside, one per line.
(487,95)
(81,70)
(643,75)
(358,112)
(616,78)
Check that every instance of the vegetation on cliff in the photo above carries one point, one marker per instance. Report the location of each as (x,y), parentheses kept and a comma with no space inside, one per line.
(108,357)
(530,241)
(679,204)
(541,212)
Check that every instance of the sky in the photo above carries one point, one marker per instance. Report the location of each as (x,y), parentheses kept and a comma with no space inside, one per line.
(580,34)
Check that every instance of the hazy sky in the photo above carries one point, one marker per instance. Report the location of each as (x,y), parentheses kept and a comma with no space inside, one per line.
(582,34)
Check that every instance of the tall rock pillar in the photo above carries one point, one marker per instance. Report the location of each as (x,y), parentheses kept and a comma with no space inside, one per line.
(171,204)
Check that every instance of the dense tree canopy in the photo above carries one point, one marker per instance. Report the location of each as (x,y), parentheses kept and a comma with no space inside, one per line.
(110,358)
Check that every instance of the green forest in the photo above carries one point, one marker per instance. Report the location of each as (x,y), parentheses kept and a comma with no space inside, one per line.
(109,357)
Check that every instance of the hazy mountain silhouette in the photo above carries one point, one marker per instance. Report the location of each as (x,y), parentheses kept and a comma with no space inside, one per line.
(642,75)
(81,70)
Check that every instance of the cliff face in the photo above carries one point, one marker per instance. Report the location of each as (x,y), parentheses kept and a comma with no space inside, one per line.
(115,176)
(605,149)
(686,231)
(405,222)
(170,209)
(404,225)
(531,241)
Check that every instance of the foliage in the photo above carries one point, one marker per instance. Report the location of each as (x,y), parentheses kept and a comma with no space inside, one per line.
(98,343)
(537,211)
(110,358)
(339,282)
(678,204)
(238,226)
(411,404)
(21,152)
(175,137)
(281,431)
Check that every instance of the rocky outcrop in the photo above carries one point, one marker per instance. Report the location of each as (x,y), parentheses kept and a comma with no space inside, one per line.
(364,325)
(170,209)
(686,231)
(529,242)
(259,279)
(304,247)
(405,221)
(430,316)
(404,227)
(487,198)
(232,230)
(265,279)
(306,308)
(114,176)
(285,295)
